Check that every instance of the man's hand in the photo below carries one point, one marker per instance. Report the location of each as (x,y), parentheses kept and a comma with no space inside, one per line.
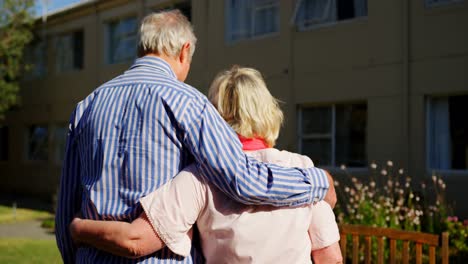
(330,197)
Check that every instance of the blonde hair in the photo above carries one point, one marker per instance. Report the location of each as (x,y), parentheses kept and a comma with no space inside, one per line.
(165,33)
(243,100)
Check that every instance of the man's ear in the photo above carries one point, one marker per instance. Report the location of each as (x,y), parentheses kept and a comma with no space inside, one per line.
(184,55)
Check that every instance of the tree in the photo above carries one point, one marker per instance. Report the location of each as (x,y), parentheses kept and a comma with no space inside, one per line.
(16,25)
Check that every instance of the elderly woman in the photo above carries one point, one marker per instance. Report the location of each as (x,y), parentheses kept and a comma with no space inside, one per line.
(230,232)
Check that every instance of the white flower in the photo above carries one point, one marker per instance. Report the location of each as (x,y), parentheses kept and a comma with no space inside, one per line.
(383,172)
(353,179)
(411,195)
(417,198)
(441,182)
(387,218)
(343,167)
(434,178)
(346,189)
(401,191)
(443,186)
(336,183)
(372,184)
(401,171)
(423,185)
(373,165)
(389,163)
(407,185)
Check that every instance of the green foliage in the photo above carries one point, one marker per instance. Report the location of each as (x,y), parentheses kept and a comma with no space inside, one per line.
(48,223)
(458,233)
(391,199)
(29,251)
(16,23)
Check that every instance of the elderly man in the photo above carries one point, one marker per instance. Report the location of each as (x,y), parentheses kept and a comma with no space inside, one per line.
(137,131)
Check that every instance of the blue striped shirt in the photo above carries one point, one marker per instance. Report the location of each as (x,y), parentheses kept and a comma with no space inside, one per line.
(137,131)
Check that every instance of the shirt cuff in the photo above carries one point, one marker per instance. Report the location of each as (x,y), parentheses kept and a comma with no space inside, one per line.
(319,184)
(180,245)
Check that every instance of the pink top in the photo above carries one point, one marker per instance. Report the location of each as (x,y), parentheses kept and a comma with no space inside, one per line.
(236,233)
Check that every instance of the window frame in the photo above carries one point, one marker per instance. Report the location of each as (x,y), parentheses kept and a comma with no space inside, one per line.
(332,135)
(26,156)
(434,4)
(428,153)
(73,68)
(55,142)
(300,27)
(108,43)
(250,28)
(7,129)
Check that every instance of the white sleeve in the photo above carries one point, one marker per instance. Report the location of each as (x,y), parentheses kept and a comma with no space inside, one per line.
(174,208)
(323,230)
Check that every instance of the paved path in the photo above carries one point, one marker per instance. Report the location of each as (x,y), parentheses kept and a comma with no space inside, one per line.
(29,229)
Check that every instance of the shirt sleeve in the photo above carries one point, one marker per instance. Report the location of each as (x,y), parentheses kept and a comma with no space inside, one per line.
(69,197)
(323,230)
(174,208)
(220,159)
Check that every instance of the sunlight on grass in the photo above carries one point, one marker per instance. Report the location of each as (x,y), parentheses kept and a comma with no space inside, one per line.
(28,251)
(22,214)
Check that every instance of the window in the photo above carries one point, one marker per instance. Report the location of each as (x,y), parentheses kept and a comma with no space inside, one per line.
(447,133)
(60,141)
(69,52)
(37,143)
(334,135)
(122,40)
(432,3)
(247,19)
(315,12)
(185,8)
(4,143)
(36,57)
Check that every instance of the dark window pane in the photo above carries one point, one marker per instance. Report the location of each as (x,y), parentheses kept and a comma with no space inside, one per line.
(78,51)
(38,143)
(4,143)
(60,140)
(319,150)
(350,135)
(458,108)
(186,9)
(316,120)
(345,9)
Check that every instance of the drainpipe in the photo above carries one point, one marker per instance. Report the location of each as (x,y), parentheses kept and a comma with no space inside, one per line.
(406,96)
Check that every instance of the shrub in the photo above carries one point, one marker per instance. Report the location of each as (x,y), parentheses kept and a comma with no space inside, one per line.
(389,198)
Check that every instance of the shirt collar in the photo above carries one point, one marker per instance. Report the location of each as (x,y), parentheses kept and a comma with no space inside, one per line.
(154,63)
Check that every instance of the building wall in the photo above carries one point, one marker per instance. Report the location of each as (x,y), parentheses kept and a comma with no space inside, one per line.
(393,59)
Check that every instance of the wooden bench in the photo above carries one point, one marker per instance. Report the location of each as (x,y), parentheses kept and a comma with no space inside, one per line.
(393,235)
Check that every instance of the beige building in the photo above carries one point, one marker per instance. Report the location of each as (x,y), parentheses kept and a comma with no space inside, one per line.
(361,80)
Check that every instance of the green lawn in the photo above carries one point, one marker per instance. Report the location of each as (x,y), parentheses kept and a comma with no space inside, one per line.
(28,251)
(7,215)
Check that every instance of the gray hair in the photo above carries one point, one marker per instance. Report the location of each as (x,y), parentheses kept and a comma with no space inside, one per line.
(165,33)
